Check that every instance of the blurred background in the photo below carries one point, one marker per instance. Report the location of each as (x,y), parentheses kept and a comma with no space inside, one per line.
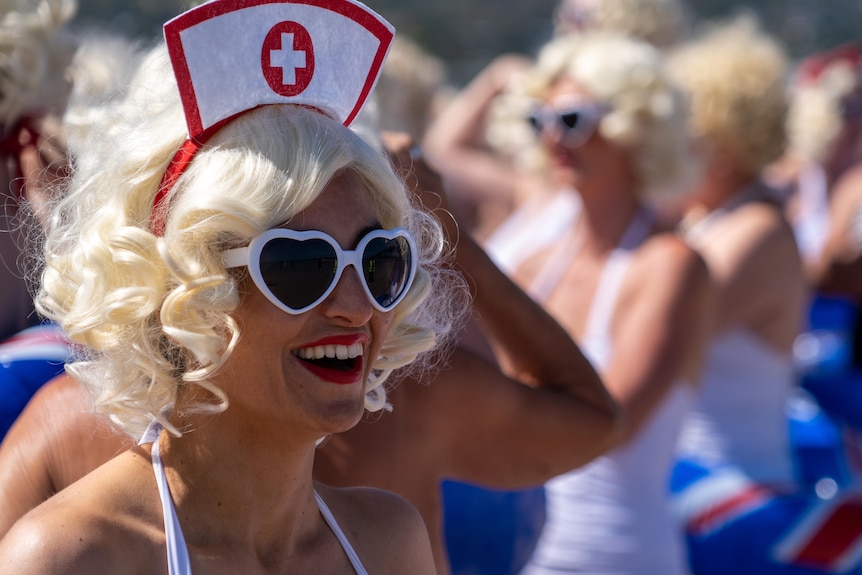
(466,34)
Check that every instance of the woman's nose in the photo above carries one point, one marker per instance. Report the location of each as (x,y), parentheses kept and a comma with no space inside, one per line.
(349,299)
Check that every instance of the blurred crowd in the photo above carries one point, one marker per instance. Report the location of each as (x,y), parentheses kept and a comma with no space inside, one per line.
(680,196)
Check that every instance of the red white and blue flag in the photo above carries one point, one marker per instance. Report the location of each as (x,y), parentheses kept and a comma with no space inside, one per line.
(828,537)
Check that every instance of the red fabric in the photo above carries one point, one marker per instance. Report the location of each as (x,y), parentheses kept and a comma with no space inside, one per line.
(837,535)
(813,67)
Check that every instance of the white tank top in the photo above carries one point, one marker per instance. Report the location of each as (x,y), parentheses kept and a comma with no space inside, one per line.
(739,416)
(178,555)
(612,515)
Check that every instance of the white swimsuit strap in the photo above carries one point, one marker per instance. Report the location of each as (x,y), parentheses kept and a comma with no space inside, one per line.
(339,534)
(610,282)
(178,553)
(565,251)
(535,225)
(556,265)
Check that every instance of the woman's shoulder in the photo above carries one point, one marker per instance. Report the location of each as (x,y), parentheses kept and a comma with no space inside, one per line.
(384,529)
(666,274)
(667,255)
(96,525)
(759,231)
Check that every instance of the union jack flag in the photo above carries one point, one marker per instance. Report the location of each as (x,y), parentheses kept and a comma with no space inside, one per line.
(828,537)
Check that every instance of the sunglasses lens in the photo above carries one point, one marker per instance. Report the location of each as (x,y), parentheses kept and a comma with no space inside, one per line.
(535,122)
(386,264)
(298,272)
(570,119)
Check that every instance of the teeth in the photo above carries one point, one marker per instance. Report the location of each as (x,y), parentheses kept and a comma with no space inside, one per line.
(331,351)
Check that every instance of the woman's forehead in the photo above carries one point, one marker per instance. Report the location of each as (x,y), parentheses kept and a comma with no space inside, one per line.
(567,90)
(345,206)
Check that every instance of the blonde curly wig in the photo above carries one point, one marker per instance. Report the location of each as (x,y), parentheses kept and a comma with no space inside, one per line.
(662,23)
(646,111)
(34,54)
(152,315)
(736,77)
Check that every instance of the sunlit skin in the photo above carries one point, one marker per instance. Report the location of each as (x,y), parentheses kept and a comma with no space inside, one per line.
(666,285)
(241,480)
(468,421)
(296,391)
(596,160)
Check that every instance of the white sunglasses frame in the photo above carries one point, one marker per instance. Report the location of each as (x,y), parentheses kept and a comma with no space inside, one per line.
(249,257)
(545,117)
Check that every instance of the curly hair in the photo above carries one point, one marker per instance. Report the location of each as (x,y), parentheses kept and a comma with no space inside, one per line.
(153,315)
(662,23)
(736,77)
(646,110)
(34,54)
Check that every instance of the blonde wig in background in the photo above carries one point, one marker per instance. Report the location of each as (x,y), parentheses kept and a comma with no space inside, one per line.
(646,112)
(736,77)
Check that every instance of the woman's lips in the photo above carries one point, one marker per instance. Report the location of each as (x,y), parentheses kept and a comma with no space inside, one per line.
(337,359)
(339,375)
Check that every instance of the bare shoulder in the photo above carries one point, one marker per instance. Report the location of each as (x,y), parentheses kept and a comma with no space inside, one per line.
(665,258)
(91,527)
(760,222)
(56,539)
(754,234)
(385,530)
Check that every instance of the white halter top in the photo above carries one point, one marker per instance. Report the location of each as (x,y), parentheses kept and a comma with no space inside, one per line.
(178,554)
(612,515)
(533,226)
(739,416)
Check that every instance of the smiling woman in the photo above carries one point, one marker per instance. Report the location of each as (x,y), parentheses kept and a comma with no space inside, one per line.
(234,303)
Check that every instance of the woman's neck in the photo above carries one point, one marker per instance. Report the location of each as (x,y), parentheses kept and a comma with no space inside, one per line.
(605,216)
(237,476)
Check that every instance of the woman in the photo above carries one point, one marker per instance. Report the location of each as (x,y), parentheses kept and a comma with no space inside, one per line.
(241,300)
(734,481)
(625,286)
(468,421)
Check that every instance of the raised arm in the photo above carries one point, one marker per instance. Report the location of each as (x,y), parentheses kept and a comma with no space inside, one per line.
(476,175)
(661,328)
(548,413)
